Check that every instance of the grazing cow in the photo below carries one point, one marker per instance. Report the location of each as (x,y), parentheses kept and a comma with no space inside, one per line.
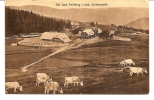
(126,62)
(42,78)
(52,86)
(122,63)
(137,70)
(74,80)
(12,85)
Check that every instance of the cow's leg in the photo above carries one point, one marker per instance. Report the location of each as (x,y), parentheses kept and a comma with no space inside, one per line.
(15,89)
(142,73)
(74,83)
(77,83)
(6,91)
(36,84)
(45,91)
(54,91)
(65,84)
(137,74)
(48,91)
(131,73)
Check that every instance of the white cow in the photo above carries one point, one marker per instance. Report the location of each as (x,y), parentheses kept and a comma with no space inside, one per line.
(137,70)
(74,80)
(42,78)
(126,62)
(12,85)
(122,63)
(52,86)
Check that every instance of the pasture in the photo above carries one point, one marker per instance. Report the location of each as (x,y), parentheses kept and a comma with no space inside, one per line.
(96,64)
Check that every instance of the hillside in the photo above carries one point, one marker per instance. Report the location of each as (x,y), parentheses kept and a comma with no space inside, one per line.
(118,16)
(19,21)
(141,23)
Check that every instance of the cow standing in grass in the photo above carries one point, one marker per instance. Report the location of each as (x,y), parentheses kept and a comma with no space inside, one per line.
(52,86)
(12,85)
(127,62)
(42,78)
(137,70)
(72,80)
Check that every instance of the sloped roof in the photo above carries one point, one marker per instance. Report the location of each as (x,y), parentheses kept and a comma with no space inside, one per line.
(50,36)
(31,40)
(111,32)
(99,31)
(89,32)
(47,35)
(63,37)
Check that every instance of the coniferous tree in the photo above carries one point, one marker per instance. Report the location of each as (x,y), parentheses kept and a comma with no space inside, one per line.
(19,21)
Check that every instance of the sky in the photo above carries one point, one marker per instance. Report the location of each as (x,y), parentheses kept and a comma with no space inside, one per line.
(52,3)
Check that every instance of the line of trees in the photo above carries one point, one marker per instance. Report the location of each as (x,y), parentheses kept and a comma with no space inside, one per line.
(130,28)
(19,21)
(134,29)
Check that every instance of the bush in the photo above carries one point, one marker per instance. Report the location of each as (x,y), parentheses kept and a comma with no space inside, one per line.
(104,34)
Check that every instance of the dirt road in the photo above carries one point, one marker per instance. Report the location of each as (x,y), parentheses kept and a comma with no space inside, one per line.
(75,44)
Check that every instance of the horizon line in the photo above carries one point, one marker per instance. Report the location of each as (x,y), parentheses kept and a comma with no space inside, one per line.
(75,7)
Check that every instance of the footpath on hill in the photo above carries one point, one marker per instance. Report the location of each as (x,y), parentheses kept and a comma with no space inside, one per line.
(75,44)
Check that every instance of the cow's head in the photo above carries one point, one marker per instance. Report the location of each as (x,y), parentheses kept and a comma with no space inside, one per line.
(49,80)
(133,63)
(145,70)
(48,77)
(81,83)
(46,83)
(20,88)
(122,62)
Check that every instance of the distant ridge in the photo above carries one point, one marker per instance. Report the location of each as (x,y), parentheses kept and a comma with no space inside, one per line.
(118,16)
(141,23)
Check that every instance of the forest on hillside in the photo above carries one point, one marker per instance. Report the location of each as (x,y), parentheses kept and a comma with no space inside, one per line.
(25,22)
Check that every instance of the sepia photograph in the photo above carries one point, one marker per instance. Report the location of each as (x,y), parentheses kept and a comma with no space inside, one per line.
(77,47)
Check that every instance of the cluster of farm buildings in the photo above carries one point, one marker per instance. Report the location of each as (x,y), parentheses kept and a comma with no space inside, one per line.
(39,39)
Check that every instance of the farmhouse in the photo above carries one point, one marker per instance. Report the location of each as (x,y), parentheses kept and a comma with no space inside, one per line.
(111,33)
(56,37)
(31,42)
(47,36)
(75,24)
(138,33)
(89,33)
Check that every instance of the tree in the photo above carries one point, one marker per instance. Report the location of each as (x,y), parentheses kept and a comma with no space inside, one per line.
(104,34)
(96,24)
(68,25)
(92,24)
(19,21)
